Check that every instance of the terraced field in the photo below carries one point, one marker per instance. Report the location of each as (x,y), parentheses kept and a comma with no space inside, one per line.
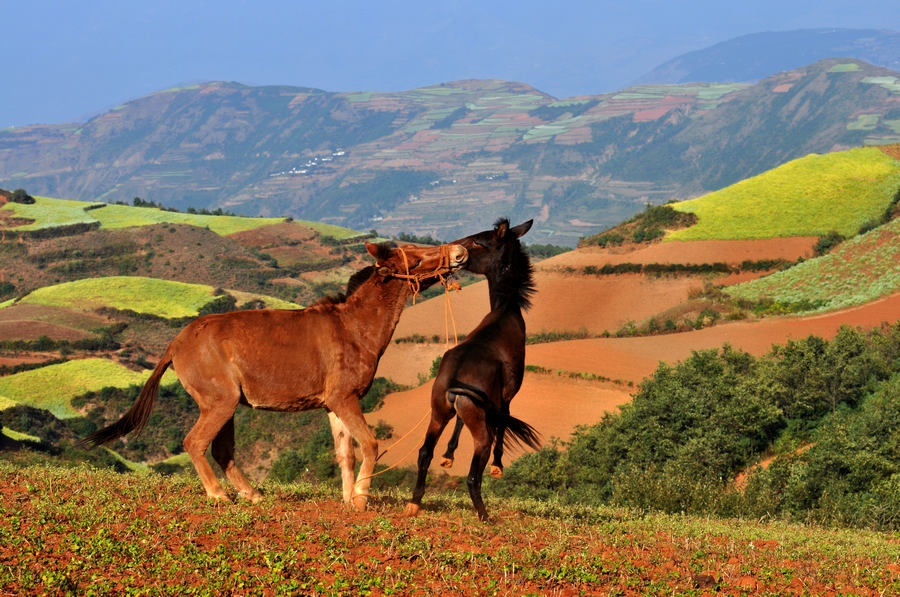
(163,298)
(47,212)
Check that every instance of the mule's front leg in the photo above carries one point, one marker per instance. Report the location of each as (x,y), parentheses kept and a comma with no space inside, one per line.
(350,415)
(343,450)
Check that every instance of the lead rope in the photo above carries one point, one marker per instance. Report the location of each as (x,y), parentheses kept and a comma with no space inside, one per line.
(448,285)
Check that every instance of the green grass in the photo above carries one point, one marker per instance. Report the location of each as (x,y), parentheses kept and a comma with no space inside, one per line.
(50,213)
(19,437)
(84,531)
(859,270)
(164,298)
(52,388)
(124,216)
(810,196)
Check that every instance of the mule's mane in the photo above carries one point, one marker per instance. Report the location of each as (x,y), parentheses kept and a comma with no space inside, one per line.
(514,283)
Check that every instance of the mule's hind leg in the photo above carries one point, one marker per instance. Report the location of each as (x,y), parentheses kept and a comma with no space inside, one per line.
(197,441)
(483,437)
(223,452)
(447,458)
(343,449)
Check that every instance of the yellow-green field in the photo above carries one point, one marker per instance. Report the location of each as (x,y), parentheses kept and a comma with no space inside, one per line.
(53,387)
(164,298)
(809,196)
(48,212)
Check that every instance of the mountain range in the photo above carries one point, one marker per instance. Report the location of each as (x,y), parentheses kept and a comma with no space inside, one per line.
(438,159)
(752,57)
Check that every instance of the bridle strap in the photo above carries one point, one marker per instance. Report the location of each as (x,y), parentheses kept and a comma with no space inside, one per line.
(414,280)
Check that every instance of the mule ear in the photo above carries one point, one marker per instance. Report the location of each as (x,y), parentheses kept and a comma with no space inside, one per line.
(521,228)
(380,251)
(502,228)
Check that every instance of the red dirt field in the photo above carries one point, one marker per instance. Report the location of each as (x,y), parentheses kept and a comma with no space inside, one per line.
(705,251)
(30,322)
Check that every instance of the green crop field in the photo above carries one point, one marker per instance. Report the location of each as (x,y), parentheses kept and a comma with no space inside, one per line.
(52,387)
(144,295)
(164,298)
(48,212)
(124,216)
(810,196)
(860,270)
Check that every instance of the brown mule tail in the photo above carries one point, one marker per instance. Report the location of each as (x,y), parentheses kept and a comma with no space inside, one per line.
(138,414)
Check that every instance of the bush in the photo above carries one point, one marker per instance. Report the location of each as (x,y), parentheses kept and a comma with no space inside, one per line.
(20,196)
(692,427)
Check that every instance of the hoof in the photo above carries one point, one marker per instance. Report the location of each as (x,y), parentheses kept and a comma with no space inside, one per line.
(219,498)
(496,471)
(254,497)
(446,462)
(412,510)
(359,502)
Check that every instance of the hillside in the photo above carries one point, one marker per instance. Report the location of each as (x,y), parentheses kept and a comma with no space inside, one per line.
(429,160)
(756,56)
(634,326)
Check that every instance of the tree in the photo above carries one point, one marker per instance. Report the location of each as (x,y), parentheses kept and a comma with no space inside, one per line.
(20,196)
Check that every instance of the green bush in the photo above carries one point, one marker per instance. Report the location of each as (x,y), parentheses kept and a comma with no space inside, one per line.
(692,427)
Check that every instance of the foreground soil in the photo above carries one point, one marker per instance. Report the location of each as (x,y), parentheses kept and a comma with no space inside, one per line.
(80,531)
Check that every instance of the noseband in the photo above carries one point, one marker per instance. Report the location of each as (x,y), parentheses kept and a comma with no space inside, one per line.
(414,280)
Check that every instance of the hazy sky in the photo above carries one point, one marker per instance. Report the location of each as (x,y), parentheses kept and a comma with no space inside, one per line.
(66,61)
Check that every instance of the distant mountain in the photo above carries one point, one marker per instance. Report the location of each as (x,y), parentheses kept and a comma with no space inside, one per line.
(442,159)
(750,58)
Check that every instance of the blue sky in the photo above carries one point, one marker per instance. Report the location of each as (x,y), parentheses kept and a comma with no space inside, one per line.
(66,61)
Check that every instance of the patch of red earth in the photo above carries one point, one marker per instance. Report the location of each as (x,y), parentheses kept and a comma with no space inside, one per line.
(892,150)
(25,358)
(562,303)
(274,235)
(30,322)
(740,481)
(32,330)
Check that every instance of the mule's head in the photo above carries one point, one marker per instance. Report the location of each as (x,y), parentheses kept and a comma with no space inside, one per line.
(491,249)
(417,262)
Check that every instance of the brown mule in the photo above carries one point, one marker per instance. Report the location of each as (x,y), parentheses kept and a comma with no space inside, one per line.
(324,356)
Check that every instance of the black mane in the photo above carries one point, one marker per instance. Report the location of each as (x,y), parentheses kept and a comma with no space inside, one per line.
(514,284)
